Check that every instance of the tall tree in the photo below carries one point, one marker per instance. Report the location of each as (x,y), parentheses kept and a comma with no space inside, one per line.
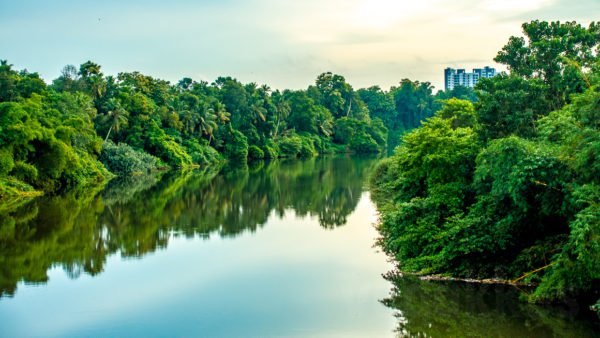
(555,52)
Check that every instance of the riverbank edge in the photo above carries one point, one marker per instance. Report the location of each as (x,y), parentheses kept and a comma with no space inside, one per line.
(397,273)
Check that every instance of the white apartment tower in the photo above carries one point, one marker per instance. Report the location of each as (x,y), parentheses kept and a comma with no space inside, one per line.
(459,77)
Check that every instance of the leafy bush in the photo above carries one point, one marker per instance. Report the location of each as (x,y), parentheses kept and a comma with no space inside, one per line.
(236,146)
(24,172)
(363,143)
(360,136)
(378,132)
(12,188)
(344,129)
(308,148)
(290,146)
(165,147)
(271,150)
(171,152)
(6,162)
(202,154)
(123,160)
(255,153)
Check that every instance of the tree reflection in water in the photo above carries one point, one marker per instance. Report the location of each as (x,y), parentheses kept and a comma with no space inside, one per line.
(456,309)
(133,217)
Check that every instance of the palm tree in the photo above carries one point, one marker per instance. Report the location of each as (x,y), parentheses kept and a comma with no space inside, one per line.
(116,116)
(189,120)
(207,122)
(325,125)
(218,109)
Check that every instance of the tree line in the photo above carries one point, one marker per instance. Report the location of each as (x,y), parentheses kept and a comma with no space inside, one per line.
(85,126)
(509,186)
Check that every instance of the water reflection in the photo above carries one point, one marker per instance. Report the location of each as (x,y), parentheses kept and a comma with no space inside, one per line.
(80,229)
(452,309)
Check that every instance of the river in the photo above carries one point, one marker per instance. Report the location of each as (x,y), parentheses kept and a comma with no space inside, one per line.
(280,249)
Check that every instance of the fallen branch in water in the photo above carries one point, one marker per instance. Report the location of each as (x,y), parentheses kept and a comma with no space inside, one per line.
(398,274)
(468,280)
(532,272)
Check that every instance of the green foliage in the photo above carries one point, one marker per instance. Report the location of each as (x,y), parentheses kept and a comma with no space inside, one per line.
(52,140)
(6,162)
(461,113)
(167,149)
(508,188)
(577,267)
(51,137)
(510,105)
(308,147)
(236,145)
(271,150)
(60,130)
(123,160)
(12,190)
(201,154)
(363,143)
(556,53)
(304,145)
(25,172)
(290,146)
(429,180)
(255,153)
(414,101)
(360,136)
(457,92)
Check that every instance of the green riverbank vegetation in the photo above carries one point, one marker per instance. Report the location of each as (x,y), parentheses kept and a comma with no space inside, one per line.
(507,187)
(86,127)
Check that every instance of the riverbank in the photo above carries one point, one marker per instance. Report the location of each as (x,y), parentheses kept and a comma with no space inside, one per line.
(14,192)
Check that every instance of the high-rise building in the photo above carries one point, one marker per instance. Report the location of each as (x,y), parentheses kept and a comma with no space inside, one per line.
(459,77)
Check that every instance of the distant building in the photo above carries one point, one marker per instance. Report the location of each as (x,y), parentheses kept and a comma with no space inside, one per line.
(459,77)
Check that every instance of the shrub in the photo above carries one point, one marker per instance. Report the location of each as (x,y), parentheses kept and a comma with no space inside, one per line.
(202,154)
(255,153)
(24,172)
(363,143)
(123,160)
(290,146)
(236,146)
(308,148)
(344,129)
(164,146)
(171,152)
(6,162)
(271,150)
(320,144)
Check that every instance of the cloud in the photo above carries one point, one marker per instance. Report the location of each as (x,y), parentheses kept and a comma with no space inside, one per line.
(562,10)
(281,43)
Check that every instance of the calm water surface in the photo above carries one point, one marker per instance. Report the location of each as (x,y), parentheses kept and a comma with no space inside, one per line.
(283,249)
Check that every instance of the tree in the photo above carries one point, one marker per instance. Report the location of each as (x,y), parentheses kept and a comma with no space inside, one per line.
(93,80)
(413,101)
(116,117)
(555,52)
(510,105)
(379,104)
(7,81)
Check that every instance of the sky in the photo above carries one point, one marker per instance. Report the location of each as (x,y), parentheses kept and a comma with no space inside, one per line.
(282,43)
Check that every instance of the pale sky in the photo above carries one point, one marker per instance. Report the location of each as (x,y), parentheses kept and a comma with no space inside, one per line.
(282,43)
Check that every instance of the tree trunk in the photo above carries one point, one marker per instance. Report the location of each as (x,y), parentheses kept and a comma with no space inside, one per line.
(108,134)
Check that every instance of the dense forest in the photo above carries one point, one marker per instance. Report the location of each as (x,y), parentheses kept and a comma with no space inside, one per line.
(509,186)
(86,127)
